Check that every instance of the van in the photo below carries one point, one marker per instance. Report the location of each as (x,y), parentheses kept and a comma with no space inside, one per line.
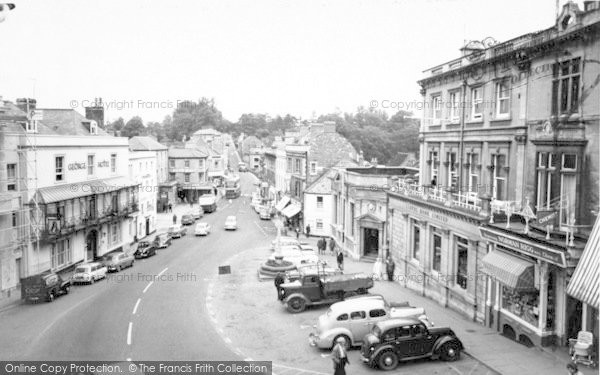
(45,286)
(162,241)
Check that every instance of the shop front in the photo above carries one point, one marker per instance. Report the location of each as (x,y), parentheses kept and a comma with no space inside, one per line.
(526,281)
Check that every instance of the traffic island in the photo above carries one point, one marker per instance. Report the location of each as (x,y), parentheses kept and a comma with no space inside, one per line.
(272,267)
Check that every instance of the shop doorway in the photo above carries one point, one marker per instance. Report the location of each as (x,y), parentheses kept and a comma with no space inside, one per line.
(91,243)
(370,242)
(147,226)
(574,311)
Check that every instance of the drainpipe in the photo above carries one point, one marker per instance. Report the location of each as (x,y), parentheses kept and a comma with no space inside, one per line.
(462,137)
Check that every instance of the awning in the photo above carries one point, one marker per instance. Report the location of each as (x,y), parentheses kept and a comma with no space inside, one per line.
(282,203)
(511,271)
(216,173)
(291,210)
(585,279)
(65,192)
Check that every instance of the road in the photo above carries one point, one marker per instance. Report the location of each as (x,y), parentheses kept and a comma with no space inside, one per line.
(154,310)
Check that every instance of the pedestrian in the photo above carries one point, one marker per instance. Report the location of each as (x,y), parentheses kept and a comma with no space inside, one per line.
(297,232)
(324,245)
(191,203)
(279,279)
(573,369)
(170,207)
(332,245)
(307,230)
(390,266)
(340,259)
(339,356)
(174,219)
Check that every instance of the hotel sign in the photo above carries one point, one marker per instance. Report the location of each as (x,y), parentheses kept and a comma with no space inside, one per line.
(76,166)
(525,247)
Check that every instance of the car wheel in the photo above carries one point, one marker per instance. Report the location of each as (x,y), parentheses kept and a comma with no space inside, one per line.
(118,269)
(450,351)
(67,289)
(92,279)
(346,338)
(296,305)
(387,361)
(50,296)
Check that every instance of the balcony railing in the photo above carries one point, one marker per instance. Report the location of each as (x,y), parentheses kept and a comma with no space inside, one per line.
(464,200)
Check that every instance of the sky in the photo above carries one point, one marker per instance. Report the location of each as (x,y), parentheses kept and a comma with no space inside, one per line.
(299,57)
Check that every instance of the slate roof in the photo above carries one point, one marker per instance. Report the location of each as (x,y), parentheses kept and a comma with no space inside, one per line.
(145,144)
(327,149)
(199,144)
(186,153)
(322,185)
(65,122)
(207,131)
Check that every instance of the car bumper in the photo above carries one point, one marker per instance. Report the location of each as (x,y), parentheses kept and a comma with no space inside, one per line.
(315,340)
(365,359)
(230,228)
(112,268)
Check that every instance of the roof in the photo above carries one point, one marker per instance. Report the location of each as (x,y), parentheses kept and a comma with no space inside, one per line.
(197,143)
(327,149)
(358,303)
(186,153)
(385,171)
(64,192)
(397,322)
(145,144)
(207,131)
(322,185)
(65,122)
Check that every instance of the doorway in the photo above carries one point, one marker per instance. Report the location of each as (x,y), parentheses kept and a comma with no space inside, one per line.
(147,226)
(91,243)
(370,242)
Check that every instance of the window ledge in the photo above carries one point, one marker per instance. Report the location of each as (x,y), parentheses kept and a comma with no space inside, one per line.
(474,122)
(500,119)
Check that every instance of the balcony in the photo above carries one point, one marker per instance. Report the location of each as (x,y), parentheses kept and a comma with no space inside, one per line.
(467,201)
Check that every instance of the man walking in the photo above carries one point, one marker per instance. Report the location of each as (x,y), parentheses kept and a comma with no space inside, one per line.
(307,230)
(390,266)
(324,245)
(279,279)
(297,232)
(320,246)
(340,259)
(332,246)
(339,356)
(170,207)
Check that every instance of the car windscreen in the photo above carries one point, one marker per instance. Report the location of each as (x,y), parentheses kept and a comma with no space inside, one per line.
(82,269)
(143,244)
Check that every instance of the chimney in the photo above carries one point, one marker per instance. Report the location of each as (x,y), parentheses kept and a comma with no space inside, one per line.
(374,162)
(329,127)
(361,159)
(26,104)
(591,5)
(96,112)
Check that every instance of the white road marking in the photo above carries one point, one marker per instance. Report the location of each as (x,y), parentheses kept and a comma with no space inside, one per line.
(261,229)
(129,333)
(148,286)
(136,306)
(163,271)
(227,340)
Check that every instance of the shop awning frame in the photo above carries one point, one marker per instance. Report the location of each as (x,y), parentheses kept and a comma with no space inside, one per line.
(291,210)
(584,284)
(282,203)
(511,271)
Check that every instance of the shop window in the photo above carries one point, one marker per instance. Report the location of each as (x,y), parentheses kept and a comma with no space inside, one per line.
(437,252)
(462,258)
(416,240)
(565,86)
(502,99)
(523,304)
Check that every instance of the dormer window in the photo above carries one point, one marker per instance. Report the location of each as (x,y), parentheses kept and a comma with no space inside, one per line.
(93,127)
(30,126)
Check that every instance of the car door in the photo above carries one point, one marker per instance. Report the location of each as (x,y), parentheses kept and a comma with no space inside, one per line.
(422,342)
(375,315)
(400,338)
(311,287)
(359,325)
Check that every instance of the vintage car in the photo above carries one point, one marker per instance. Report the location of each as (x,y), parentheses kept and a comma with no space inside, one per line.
(45,286)
(88,273)
(145,249)
(197,213)
(297,255)
(162,240)
(403,339)
(187,219)
(177,231)
(117,260)
(264,213)
(318,290)
(353,318)
(319,268)
(231,223)
(202,229)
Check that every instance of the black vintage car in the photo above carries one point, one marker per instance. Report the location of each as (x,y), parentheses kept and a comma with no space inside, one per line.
(145,249)
(45,286)
(404,339)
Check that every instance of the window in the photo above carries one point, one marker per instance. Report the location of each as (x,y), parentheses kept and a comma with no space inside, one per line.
(565,86)
(319,202)
(114,235)
(61,253)
(289,165)
(342,317)
(452,171)
(113,163)
(547,180)
(523,304)
(172,163)
(313,167)
(186,177)
(90,165)
(568,188)
(499,168)
(437,253)
(502,99)
(14,219)
(11,175)
(473,171)
(416,240)
(357,315)
(434,162)
(319,224)
(171,176)
(186,163)
(477,103)
(297,166)
(462,254)
(454,106)
(352,219)
(59,167)
(436,108)
(376,313)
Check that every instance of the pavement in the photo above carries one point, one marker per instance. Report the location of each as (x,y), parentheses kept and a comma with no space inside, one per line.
(486,350)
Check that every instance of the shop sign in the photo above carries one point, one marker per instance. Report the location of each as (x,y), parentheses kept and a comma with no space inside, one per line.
(547,217)
(551,256)
(103,164)
(424,212)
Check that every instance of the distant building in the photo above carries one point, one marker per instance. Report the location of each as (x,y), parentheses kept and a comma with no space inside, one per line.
(142,170)
(211,143)
(164,190)
(189,168)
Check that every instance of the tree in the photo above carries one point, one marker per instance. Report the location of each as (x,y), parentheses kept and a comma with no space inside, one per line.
(156,130)
(189,117)
(133,127)
(116,126)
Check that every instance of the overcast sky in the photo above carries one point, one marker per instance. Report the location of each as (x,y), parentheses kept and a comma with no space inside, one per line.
(276,57)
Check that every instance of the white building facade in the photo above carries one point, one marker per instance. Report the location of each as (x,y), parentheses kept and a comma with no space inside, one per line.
(142,170)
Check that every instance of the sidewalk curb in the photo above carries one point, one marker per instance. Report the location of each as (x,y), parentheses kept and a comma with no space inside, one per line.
(11,305)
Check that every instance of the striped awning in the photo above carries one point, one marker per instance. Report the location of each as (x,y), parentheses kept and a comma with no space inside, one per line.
(291,210)
(282,203)
(511,271)
(585,279)
(65,192)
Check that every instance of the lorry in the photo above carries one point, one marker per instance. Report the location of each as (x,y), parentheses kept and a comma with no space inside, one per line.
(45,286)
(320,289)
(208,202)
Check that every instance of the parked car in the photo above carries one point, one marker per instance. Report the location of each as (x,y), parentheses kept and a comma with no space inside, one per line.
(297,255)
(265,213)
(353,318)
(187,219)
(145,249)
(177,231)
(231,223)
(117,260)
(285,241)
(197,213)
(321,269)
(88,273)
(202,229)
(394,340)
(162,240)
(44,286)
